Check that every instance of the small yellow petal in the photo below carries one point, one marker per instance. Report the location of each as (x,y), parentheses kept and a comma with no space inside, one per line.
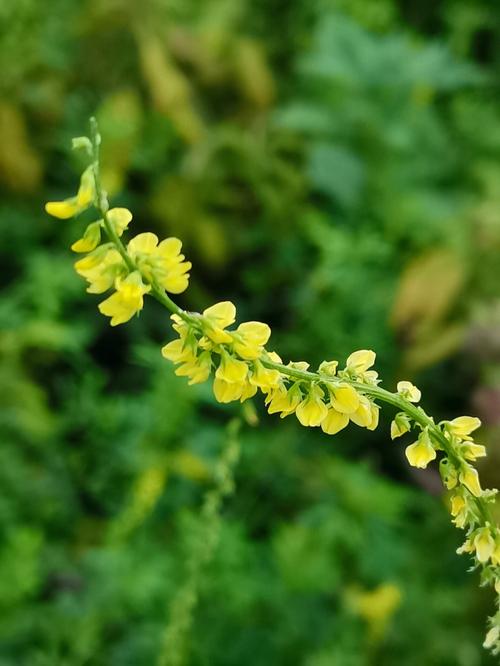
(328,368)
(170,247)
(249,339)
(90,240)
(62,209)
(231,370)
(334,422)
(142,243)
(312,410)
(361,360)
(421,452)
(224,313)
(471,451)
(470,478)
(492,637)
(226,391)
(120,218)
(264,378)
(457,504)
(176,284)
(484,544)
(464,425)
(400,425)
(86,190)
(409,391)
(126,301)
(177,351)
(375,412)
(283,400)
(363,416)
(344,398)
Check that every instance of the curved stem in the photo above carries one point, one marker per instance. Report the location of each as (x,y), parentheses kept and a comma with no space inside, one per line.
(394,399)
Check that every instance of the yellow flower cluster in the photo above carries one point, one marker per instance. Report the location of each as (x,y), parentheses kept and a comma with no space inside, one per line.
(150,263)
(328,398)
(241,365)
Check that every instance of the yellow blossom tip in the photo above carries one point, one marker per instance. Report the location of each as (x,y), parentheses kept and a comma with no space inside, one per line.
(344,398)
(62,209)
(334,422)
(409,391)
(359,361)
(421,452)
(484,544)
(463,425)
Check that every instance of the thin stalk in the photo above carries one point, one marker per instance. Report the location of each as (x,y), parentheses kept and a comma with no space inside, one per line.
(394,399)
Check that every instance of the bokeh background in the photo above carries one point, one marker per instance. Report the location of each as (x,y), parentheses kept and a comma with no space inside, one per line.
(333,167)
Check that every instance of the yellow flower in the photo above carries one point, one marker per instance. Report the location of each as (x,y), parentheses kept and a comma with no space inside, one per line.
(463,426)
(248,391)
(120,218)
(178,351)
(249,339)
(197,368)
(344,398)
(400,425)
(162,262)
(457,504)
(74,205)
(470,478)
(216,318)
(459,510)
(492,637)
(495,558)
(334,422)
(283,400)
(471,450)
(328,368)
(126,301)
(101,268)
(312,410)
(264,378)
(366,415)
(421,452)
(466,547)
(231,370)
(229,391)
(171,270)
(359,361)
(363,414)
(90,239)
(409,391)
(274,357)
(180,325)
(142,244)
(298,365)
(484,544)
(375,411)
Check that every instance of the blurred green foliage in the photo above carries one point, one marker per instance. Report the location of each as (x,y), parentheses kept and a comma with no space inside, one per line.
(333,167)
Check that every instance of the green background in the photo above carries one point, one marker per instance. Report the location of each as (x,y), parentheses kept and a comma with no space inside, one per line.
(333,167)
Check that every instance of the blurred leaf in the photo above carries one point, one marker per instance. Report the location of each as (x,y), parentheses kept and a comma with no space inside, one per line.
(427,290)
(20,164)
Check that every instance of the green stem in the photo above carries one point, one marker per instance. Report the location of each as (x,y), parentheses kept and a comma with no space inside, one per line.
(394,399)
(416,413)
